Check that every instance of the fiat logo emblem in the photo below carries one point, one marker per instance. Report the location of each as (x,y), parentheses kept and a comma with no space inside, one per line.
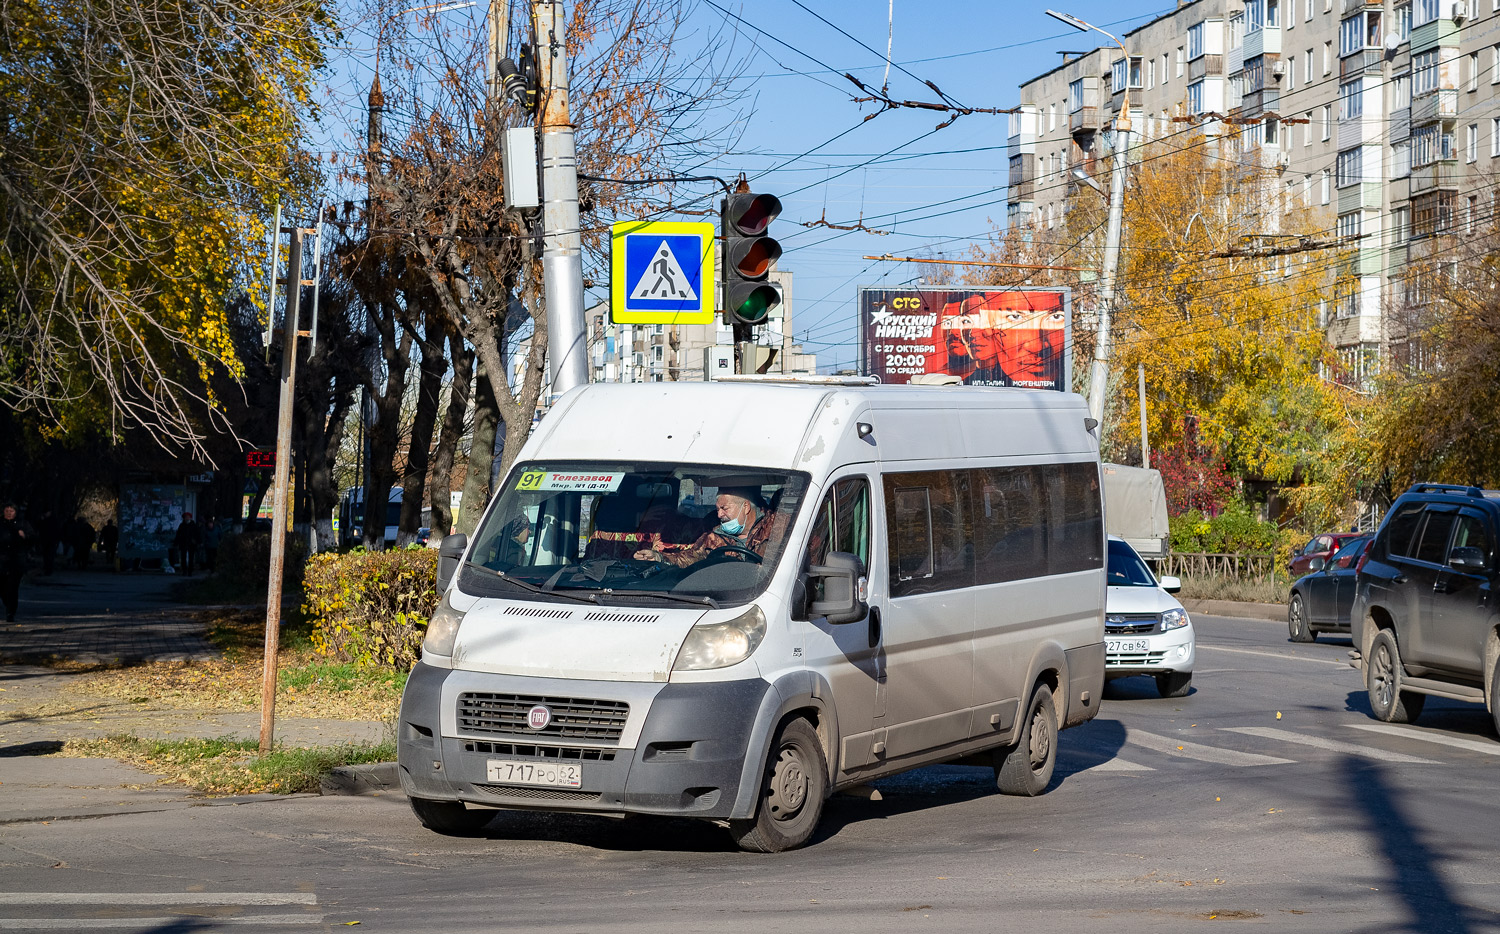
(538,717)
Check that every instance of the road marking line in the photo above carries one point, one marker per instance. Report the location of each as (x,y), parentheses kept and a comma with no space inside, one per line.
(1117,765)
(1278,655)
(158,898)
(1268,732)
(1177,747)
(82,924)
(1473,745)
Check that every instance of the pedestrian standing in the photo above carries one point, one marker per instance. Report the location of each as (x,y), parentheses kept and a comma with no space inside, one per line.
(187,540)
(83,542)
(16,538)
(109,540)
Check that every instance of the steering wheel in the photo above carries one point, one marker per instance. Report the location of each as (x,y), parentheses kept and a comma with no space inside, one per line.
(747,553)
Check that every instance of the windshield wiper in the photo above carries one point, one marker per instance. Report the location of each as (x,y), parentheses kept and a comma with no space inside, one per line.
(609,593)
(529,586)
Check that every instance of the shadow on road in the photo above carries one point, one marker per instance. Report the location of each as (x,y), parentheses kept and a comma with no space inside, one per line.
(1438,713)
(1415,878)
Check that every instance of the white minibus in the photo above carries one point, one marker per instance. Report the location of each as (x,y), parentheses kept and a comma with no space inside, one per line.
(730,600)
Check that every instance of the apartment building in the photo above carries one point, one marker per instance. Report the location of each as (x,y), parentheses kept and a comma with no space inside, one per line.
(1381,116)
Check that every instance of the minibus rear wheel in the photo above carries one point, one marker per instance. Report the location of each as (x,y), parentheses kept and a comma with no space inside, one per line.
(792,790)
(1026,768)
(451,817)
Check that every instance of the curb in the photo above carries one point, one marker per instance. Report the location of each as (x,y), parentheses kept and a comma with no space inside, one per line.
(1270,611)
(373,778)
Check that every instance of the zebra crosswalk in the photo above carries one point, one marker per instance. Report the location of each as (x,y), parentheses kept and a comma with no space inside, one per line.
(155,911)
(1127,749)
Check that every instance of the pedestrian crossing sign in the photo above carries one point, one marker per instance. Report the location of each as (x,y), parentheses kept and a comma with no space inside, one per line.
(662,272)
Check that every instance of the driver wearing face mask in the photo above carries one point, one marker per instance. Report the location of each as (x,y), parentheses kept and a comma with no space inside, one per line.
(743,525)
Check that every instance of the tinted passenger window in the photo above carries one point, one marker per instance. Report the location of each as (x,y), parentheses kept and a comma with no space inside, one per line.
(1076,519)
(932,537)
(1401,529)
(1010,529)
(1433,546)
(1471,533)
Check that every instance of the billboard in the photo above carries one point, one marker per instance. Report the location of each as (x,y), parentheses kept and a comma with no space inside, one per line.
(985,337)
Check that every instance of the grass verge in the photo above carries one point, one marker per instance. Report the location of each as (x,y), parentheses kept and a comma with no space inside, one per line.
(1229,588)
(230,766)
(307,684)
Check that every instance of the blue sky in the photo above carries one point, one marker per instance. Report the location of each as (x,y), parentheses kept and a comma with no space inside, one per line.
(807,142)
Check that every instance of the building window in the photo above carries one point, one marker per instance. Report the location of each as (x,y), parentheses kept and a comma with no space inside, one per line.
(1495,64)
(1431,213)
(1425,12)
(1051,117)
(1179,61)
(1307,67)
(1327,121)
(1075,96)
(1473,71)
(1351,99)
(1164,74)
(1424,72)
(1150,74)
(1350,167)
(1430,144)
(1328,57)
(1359,32)
(1308,16)
(1400,159)
(1349,226)
(1255,74)
(1255,15)
(1273,14)
(1272,126)
(1307,131)
(1325,192)
(1470,213)
(1400,221)
(1400,91)
(1195,98)
(1195,42)
(1118,74)
(1494,137)
(1236,30)
(1471,143)
(1291,72)
(1307,191)
(1403,21)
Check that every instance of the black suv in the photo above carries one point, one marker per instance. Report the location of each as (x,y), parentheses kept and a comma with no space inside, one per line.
(1424,620)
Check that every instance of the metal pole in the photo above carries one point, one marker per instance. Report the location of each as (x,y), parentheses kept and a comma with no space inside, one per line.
(1099,372)
(280,500)
(562,247)
(1140,372)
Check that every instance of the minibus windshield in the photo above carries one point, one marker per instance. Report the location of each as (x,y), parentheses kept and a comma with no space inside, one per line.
(634,533)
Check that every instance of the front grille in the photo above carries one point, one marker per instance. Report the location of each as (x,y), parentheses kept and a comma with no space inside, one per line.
(1129,624)
(1136,659)
(537,794)
(522,750)
(572,717)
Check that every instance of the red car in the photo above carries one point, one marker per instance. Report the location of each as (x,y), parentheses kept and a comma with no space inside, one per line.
(1322,546)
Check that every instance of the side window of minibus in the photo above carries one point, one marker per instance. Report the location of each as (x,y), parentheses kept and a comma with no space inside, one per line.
(911,537)
(852,518)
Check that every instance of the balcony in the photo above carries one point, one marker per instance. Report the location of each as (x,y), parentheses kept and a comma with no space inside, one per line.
(1204,66)
(1435,176)
(1086,120)
(1360,63)
(1433,106)
(1257,102)
(1354,6)
(1262,42)
(1022,170)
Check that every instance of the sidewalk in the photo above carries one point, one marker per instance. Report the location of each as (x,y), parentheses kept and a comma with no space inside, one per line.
(68,625)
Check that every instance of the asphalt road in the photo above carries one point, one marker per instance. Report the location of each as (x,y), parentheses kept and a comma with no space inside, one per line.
(1166,815)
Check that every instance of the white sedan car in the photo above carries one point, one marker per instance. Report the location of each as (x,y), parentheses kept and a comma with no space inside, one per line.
(1146,631)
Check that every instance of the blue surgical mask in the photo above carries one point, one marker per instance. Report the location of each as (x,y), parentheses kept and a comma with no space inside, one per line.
(732,527)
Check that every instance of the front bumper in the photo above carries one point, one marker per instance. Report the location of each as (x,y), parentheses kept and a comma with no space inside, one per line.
(1172,651)
(682,751)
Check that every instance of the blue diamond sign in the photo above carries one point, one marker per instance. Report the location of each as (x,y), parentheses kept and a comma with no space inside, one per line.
(662,272)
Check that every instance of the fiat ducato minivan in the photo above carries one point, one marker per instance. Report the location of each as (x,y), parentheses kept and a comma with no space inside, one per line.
(904,575)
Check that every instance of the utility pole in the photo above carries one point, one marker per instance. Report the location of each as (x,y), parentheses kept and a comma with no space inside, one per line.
(562,245)
(1099,371)
(281,500)
(1140,372)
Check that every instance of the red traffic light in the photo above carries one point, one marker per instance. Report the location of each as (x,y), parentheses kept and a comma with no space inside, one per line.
(750,214)
(752,259)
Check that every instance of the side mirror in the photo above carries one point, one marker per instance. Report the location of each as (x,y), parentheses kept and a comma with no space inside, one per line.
(843,580)
(1171,584)
(1466,558)
(1316,564)
(450,553)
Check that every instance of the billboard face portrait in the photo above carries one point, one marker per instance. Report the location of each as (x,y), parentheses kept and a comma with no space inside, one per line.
(983,337)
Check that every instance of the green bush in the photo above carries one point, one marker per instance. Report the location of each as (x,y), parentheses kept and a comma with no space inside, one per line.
(244,562)
(1233,531)
(371,607)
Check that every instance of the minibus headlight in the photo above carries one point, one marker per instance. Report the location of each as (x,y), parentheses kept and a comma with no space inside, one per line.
(719,645)
(442,629)
(1174,619)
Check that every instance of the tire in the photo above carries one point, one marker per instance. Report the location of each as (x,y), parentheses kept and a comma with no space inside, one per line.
(1495,695)
(1026,768)
(1175,683)
(793,787)
(1297,625)
(1383,682)
(451,817)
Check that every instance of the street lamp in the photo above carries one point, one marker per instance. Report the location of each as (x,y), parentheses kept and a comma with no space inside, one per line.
(1099,372)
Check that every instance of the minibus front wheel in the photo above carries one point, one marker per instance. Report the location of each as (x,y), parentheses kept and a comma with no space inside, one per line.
(451,817)
(794,785)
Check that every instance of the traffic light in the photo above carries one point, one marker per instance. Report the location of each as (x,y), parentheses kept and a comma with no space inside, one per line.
(748,255)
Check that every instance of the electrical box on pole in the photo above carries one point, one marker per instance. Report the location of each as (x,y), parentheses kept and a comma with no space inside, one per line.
(749,253)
